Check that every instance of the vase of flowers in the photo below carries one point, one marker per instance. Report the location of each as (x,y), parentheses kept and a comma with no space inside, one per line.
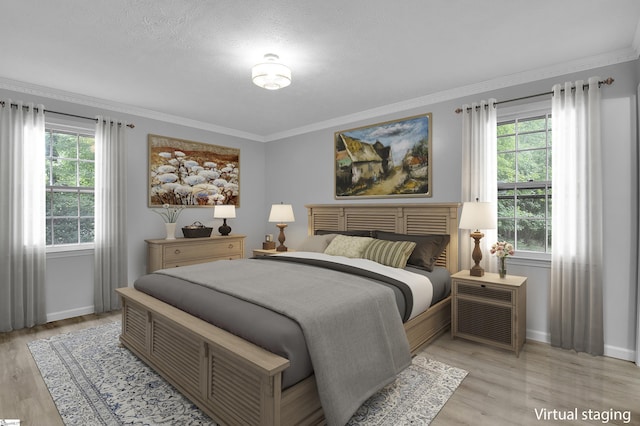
(501,250)
(170,216)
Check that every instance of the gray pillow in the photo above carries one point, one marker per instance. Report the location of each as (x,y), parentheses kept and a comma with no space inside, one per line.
(428,247)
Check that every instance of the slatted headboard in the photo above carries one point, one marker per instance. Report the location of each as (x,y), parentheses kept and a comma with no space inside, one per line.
(413,219)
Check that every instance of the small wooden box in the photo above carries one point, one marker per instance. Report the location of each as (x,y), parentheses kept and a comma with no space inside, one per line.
(268,245)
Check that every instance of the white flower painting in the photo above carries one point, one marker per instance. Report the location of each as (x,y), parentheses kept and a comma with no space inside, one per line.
(185,173)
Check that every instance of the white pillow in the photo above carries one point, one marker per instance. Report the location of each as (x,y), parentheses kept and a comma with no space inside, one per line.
(347,246)
(316,243)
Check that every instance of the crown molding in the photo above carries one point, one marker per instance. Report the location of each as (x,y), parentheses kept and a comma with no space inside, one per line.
(75,98)
(611,58)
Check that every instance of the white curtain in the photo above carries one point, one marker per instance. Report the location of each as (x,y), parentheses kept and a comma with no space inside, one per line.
(576,266)
(479,174)
(638,235)
(22,216)
(110,266)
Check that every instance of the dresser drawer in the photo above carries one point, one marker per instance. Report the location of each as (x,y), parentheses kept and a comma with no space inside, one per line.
(163,254)
(186,262)
(485,291)
(198,251)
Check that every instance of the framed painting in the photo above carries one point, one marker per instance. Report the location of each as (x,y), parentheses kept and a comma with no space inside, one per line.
(192,174)
(390,159)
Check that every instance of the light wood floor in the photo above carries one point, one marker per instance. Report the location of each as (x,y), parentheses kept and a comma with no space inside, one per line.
(499,390)
(23,394)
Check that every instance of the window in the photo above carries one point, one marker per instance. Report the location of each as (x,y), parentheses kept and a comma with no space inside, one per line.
(524,182)
(70,176)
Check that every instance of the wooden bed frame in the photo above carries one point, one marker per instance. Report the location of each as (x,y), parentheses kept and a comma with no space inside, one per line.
(237,382)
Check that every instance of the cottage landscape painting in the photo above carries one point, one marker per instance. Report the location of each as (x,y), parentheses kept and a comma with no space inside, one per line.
(192,174)
(391,159)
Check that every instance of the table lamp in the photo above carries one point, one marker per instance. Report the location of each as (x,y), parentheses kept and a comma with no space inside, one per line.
(478,215)
(281,213)
(224,212)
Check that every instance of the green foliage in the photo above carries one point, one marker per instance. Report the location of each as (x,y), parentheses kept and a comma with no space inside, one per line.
(507,128)
(506,143)
(506,167)
(531,125)
(524,178)
(532,165)
(421,150)
(70,175)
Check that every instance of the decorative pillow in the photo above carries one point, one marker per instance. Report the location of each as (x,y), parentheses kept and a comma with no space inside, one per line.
(316,243)
(349,233)
(390,253)
(347,246)
(428,247)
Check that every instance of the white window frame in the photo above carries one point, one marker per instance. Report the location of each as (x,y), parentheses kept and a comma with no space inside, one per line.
(65,250)
(520,112)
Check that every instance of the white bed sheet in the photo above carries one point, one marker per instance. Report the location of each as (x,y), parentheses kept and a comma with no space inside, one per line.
(420,286)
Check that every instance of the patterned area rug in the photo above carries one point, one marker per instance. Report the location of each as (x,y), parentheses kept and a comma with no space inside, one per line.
(94,381)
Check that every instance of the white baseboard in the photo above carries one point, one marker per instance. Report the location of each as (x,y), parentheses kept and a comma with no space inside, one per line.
(57,316)
(620,353)
(538,336)
(609,351)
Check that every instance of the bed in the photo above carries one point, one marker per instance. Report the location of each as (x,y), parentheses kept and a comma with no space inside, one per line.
(238,382)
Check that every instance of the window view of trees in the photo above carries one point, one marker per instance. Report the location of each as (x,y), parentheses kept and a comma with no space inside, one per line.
(70,175)
(524,183)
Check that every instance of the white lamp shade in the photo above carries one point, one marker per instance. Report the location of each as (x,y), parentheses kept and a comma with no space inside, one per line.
(478,215)
(270,74)
(227,211)
(281,213)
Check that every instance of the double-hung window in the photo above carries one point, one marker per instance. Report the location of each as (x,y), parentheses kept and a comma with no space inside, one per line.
(524,181)
(70,177)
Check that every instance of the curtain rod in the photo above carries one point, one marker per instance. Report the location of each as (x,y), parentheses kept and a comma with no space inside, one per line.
(608,81)
(130,125)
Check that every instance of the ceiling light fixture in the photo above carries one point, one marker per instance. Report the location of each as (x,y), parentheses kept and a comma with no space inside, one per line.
(271,74)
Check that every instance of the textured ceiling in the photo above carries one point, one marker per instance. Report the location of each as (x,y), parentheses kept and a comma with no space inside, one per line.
(192,58)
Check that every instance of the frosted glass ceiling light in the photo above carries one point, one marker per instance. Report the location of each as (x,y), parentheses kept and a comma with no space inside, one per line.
(271,74)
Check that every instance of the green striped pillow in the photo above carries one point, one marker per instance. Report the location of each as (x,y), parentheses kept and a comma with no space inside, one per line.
(390,253)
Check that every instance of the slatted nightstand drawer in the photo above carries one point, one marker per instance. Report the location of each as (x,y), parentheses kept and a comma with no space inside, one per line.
(486,292)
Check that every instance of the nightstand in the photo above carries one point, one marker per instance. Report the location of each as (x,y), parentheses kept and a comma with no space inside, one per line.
(263,252)
(489,309)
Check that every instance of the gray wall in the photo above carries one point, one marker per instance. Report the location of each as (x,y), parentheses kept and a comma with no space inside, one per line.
(300,171)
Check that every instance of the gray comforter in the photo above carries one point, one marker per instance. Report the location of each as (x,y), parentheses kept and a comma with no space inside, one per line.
(350,362)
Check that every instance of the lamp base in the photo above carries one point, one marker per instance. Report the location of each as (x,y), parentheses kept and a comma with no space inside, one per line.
(224,230)
(477,270)
(281,237)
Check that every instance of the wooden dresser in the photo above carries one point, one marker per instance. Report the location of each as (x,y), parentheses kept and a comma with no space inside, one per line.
(162,254)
